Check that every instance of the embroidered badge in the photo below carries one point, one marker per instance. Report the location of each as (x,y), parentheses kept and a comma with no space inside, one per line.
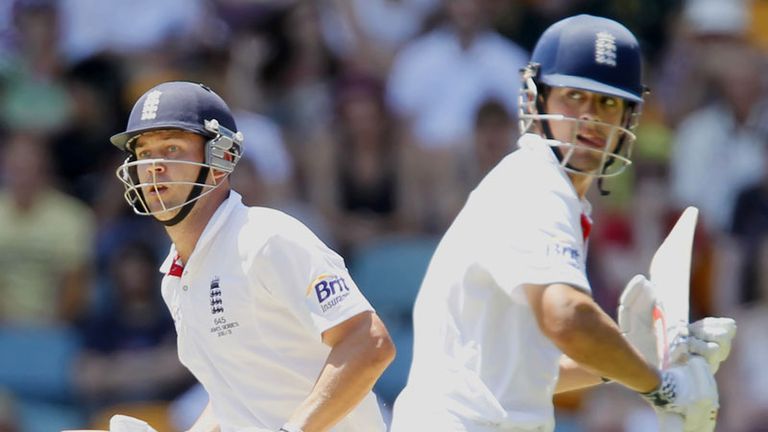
(221,325)
(216,301)
(151,104)
(605,48)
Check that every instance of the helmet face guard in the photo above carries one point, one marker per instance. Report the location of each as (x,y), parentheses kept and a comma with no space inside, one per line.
(222,152)
(619,140)
(614,157)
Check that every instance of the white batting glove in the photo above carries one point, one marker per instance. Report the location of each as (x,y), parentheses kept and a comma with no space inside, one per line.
(635,318)
(688,390)
(711,338)
(123,423)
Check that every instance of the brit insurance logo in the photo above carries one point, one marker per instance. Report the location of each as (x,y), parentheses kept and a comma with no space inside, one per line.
(329,290)
(605,48)
(151,104)
(559,251)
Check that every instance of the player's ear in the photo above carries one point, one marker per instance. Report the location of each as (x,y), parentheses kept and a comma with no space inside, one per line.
(542,96)
(223,157)
(218,175)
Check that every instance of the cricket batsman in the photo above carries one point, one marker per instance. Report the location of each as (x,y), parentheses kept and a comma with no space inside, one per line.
(505,318)
(267,317)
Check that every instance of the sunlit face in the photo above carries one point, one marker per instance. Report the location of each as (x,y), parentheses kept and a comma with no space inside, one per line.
(591,138)
(168,184)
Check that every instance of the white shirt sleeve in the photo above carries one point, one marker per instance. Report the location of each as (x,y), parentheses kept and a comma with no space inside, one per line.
(311,280)
(545,246)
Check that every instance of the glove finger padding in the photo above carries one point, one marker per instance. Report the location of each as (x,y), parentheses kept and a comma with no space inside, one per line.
(635,316)
(711,338)
(679,350)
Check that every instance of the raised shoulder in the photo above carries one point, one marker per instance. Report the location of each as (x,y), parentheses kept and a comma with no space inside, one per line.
(266,227)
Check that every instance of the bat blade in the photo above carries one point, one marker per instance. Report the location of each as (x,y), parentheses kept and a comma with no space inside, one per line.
(670,277)
(670,274)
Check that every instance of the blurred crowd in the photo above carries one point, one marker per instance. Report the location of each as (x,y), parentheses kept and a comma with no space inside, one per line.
(370,121)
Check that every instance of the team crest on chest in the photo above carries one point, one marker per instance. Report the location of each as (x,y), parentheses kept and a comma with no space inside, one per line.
(217,304)
(221,325)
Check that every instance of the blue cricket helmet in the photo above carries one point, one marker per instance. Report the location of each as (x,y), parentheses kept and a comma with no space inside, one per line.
(187,106)
(591,53)
(176,105)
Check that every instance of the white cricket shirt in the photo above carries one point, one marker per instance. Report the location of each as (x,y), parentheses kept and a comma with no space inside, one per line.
(250,307)
(480,361)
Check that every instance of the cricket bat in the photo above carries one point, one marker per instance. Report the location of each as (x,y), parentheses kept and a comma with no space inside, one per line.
(670,274)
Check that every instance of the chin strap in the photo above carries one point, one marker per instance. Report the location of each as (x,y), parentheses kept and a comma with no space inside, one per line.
(191,199)
(603,191)
(545,124)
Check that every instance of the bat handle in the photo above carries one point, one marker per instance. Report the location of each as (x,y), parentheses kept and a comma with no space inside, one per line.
(671,422)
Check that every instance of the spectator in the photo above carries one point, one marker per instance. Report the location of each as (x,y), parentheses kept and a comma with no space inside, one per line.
(356,178)
(91,27)
(130,350)
(31,97)
(700,33)
(45,239)
(436,85)
(744,379)
(440,79)
(495,135)
(116,226)
(94,86)
(368,33)
(750,228)
(723,142)
(298,73)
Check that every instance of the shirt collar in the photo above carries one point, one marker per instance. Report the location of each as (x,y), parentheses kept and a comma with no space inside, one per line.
(214,225)
(165,267)
(545,148)
(540,146)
